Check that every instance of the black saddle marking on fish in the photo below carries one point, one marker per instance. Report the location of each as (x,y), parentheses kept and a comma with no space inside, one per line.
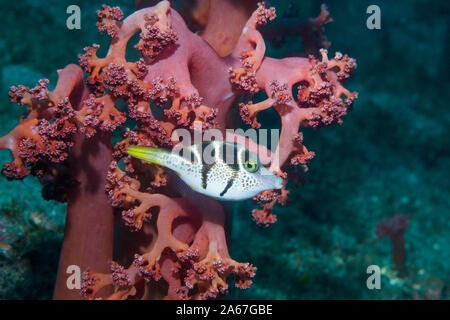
(209,153)
(205,170)
(227,187)
(206,167)
(230,155)
(229,183)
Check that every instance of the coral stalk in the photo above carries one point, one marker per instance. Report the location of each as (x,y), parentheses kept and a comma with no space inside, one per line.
(395,228)
(89,229)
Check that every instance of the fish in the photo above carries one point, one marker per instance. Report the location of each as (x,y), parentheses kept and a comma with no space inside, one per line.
(5,246)
(39,219)
(221,170)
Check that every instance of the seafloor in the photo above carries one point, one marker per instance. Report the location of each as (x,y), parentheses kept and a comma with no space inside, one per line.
(391,155)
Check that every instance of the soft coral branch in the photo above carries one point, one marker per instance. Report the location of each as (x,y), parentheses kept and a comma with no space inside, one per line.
(319,99)
(35,139)
(199,265)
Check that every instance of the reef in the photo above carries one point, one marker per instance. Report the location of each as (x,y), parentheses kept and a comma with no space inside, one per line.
(175,246)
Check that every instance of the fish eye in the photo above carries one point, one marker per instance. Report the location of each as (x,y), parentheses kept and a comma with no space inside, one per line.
(250,166)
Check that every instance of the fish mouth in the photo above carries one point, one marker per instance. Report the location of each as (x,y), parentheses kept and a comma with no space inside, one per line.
(278,182)
(272,182)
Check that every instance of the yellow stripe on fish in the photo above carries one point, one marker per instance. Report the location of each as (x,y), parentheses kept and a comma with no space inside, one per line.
(221,170)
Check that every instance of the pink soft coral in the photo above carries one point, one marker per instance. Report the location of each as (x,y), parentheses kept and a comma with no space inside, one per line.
(177,249)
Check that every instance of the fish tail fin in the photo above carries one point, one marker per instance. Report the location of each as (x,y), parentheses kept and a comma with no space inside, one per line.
(149,154)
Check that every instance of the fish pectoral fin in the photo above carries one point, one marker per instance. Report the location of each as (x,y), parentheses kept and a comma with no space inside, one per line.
(149,154)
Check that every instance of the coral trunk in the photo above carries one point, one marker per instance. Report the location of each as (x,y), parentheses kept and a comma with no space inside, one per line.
(88,235)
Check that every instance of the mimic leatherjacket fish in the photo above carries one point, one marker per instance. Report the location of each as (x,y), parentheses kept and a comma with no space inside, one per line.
(221,170)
